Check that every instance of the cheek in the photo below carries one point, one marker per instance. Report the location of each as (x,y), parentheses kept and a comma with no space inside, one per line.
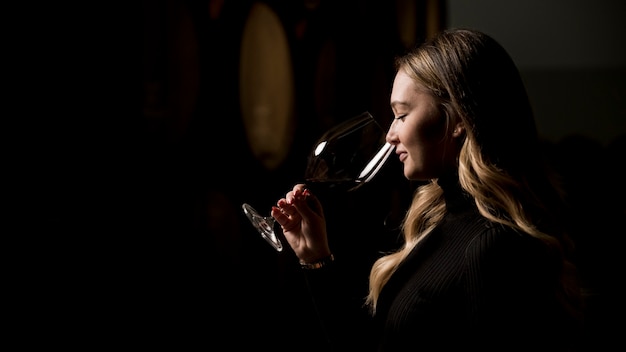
(422,136)
(416,148)
(433,130)
(425,146)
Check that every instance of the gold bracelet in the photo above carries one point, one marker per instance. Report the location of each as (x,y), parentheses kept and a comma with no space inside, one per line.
(318,264)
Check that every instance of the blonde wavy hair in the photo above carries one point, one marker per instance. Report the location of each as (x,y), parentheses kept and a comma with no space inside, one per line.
(499,163)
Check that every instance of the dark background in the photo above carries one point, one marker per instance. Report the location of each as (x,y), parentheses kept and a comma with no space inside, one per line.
(134,164)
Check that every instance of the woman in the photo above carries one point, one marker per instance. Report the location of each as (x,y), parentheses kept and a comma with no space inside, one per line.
(484,263)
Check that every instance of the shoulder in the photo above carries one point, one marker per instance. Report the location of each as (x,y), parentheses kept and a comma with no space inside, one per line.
(500,244)
(505,260)
(495,235)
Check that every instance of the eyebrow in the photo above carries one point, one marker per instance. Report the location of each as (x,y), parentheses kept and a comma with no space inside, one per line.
(397,102)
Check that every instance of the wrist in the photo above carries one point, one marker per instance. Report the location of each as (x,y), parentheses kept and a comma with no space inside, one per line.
(321,263)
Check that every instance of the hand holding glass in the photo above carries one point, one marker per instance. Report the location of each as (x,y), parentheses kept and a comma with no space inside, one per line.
(346,157)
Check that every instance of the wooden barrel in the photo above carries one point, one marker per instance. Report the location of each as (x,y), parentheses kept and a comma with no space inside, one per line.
(266,86)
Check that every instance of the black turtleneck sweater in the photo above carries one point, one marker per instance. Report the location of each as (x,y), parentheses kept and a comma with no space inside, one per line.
(470,284)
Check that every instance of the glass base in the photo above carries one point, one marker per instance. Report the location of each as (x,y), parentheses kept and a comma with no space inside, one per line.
(265,226)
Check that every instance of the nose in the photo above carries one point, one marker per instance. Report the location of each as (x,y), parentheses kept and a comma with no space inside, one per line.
(392,135)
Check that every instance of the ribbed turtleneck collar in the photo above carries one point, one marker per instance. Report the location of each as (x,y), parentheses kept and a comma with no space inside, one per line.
(456,198)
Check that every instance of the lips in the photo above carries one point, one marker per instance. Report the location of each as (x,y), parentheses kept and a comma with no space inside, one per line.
(402,156)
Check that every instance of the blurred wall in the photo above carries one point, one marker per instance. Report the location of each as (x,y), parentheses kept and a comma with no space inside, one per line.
(572,56)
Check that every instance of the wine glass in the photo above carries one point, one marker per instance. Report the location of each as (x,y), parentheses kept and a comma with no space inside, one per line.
(345,158)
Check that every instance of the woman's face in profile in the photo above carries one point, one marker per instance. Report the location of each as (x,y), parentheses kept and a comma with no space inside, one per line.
(419,131)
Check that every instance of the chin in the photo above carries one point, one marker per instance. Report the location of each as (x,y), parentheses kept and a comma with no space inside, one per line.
(414,175)
(411,175)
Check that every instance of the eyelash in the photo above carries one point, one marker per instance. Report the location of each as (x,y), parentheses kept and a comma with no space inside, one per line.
(400,117)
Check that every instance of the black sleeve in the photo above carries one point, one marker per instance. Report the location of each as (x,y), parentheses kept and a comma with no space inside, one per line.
(339,305)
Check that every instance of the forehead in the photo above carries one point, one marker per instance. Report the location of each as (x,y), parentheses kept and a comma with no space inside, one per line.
(403,80)
(402,86)
(405,89)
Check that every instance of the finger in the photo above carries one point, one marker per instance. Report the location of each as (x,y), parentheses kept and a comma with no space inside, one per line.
(297,189)
(281,218)
(286,209)
(307,204)
(287,222)
(289,210)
